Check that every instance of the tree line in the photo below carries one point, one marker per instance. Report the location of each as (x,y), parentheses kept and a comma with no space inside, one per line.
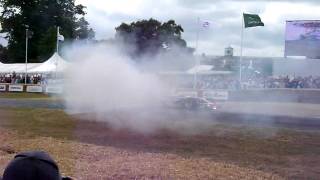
(42,17)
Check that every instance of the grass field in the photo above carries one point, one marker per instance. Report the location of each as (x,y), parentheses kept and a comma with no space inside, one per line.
(91,150)
(24,95)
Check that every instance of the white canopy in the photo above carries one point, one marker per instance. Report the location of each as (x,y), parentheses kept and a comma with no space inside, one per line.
(200,69)
(207,70)
(18,68)
(55,63)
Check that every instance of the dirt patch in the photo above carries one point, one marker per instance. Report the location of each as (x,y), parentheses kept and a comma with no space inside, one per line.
(115,163)
(6,148)
(287,153)
(87,161)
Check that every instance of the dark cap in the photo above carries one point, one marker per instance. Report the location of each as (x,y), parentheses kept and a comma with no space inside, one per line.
(35,165)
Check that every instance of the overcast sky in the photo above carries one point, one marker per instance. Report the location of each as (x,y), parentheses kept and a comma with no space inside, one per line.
(225,29)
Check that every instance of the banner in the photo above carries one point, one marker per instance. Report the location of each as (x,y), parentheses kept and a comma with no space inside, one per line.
(54,89)
(303,38)
(3,87)
(217,95)
(35,89)
(187,93)
(16,88)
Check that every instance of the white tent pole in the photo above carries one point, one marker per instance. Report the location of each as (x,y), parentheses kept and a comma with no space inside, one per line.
(195,78)
(241,49)
(56,65)
(58,33)
(26,72)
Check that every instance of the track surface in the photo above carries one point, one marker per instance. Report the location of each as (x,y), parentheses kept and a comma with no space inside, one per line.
(27,103)
(302,116)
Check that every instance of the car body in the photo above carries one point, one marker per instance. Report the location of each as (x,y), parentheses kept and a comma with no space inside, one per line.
(194,103)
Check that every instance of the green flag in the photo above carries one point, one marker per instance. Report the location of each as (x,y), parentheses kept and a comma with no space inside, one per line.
(252,20)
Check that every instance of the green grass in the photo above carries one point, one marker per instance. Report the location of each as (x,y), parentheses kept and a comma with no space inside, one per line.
(24,95)
(40,129)
(38,122)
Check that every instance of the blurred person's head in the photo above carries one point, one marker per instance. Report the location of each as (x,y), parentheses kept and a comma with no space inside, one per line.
(35,165)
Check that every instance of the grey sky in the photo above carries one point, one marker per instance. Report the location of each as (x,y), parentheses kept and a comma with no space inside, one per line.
(105,15)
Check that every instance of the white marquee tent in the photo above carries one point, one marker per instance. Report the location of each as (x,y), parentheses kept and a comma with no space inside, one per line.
(200,69)
(206,70)
(53,64)
(18,68)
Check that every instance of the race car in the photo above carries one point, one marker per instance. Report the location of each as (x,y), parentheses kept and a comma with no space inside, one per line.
(195,103)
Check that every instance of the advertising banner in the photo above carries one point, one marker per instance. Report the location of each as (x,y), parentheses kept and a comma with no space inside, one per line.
(217,95)
(2,87)
(34,89)
(16,88)
(187,93)
(54,89)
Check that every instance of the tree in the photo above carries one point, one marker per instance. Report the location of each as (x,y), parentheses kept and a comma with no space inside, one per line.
(83,31)
(42,18)
(151,36)
(3,53)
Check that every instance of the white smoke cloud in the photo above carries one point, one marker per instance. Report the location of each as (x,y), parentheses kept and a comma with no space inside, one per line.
(102,79)
(108,85)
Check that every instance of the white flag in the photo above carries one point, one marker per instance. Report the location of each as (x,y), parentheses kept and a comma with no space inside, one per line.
(205,24)
(250,65)
(60,37)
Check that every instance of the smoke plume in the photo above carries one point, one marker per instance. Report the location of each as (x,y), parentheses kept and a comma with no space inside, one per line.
(112,88)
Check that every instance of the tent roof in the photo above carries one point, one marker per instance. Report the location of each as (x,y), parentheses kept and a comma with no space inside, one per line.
(200,68)
(55,63)
(18,68)
(207,70)
(52,64)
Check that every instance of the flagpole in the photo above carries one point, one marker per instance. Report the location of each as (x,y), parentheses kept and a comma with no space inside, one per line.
(195,78)
(241,49)
(58,28)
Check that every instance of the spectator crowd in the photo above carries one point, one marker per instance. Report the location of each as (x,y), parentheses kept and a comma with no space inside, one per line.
(310,82)
(233,83)
(209,82)
(15,78)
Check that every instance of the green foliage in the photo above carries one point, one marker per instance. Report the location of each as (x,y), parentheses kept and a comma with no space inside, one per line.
(42,18)
(47,43)
(151,36)
(83,31)
(3,53)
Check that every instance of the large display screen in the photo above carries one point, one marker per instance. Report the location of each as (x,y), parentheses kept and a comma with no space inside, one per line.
(303,38)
